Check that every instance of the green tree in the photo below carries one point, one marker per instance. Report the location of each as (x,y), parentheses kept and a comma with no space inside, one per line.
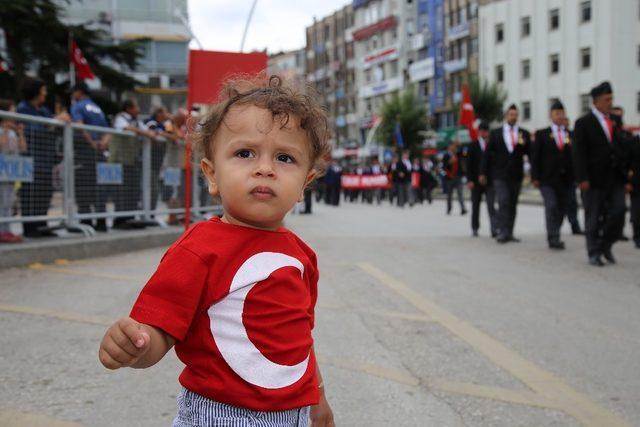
(487,99)
(404,109)
(37,40)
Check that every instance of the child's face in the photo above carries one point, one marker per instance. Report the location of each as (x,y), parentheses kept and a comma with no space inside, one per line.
(259,169)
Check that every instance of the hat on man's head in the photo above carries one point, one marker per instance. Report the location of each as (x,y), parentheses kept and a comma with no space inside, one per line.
(603,88)
(557,105)
(484,125)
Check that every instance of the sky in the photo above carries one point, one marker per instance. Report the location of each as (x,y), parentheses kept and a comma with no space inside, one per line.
(276,25)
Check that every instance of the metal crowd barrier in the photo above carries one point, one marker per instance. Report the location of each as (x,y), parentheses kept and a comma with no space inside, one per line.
(87,178)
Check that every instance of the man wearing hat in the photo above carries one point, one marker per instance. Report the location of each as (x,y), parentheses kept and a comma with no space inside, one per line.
(476,151)
(503,161)
(552,172)
(599,166)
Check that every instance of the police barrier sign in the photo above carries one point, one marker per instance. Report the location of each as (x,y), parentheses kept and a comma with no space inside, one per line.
(109,173)
(16,168)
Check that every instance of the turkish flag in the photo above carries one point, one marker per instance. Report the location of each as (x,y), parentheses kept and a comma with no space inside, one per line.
(467,115)
(79,62)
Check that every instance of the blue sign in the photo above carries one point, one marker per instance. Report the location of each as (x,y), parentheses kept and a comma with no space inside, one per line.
(16,168)
(109,173)
(172,176)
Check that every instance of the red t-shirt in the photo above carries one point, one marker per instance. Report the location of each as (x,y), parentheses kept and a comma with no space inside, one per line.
(240,304)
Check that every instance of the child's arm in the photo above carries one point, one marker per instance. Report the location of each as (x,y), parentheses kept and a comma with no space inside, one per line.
(321,414)
(128,343)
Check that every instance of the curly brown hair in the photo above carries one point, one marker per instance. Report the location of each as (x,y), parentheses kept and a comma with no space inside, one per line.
(279,97)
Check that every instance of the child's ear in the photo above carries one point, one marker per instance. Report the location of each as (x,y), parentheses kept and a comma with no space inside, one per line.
(210,173)
(310,177)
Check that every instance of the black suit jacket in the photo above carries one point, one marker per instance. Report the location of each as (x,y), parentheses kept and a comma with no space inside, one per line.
(474,161)
(634,150)
(595,159)
(549,165)
(401,173)
(498,163)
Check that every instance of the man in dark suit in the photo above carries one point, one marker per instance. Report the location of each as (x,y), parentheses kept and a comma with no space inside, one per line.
(634,175)
(474,161)
(600,167)
(552,172)
(402,178)
(504,163)
(452,167)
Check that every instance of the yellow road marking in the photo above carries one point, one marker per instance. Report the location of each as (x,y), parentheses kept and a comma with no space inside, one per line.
(419,317)
(495,393)
(42,267)
(21,419)
(61,315)
(545,383)
(369,368)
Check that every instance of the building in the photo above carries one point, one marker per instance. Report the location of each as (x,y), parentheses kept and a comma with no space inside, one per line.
(461,55)
(426,56)
(382,33)
(331,70)
(163,69)
(290,65)
(546,50)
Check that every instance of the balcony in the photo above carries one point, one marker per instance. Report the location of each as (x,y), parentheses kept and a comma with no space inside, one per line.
(454,65)
(459,31)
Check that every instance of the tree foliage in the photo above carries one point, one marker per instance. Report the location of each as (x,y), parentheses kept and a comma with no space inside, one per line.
(412,116)
(37,40)
(487,99)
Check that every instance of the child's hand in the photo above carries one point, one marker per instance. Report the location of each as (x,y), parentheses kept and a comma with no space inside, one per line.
(123,344)
(321,414)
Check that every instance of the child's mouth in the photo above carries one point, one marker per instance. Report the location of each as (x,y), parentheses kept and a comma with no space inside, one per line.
(263,193)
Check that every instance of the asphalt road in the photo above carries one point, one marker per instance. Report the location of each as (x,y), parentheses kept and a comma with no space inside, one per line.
(418,324)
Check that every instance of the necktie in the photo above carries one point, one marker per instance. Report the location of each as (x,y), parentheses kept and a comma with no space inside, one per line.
(609,127)
(560,140)
(513,139)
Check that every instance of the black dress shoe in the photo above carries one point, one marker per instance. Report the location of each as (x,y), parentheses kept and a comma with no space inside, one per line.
(475,233)
(514,239)
(557,244)
(596,261)
(608,255)
(577,232)
(463,213)
(502,239)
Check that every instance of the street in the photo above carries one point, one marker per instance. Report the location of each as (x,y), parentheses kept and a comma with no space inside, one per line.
(417,324)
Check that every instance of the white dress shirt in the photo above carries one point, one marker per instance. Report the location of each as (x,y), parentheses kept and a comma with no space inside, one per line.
(602,121)
(483,144)
(506,134)
(556,130)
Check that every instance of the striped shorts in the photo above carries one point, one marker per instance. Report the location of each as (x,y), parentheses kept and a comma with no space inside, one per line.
(198,411)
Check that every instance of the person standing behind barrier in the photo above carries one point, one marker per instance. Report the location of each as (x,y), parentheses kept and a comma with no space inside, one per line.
(12,143)
(552,172)
(477,149)
(452,166)
(598,162)
(174,159)
(127,151)
(156,125)
(504,163)
(35,196)
(88,149)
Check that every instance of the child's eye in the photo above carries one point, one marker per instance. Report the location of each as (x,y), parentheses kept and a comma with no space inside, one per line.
(285,158)
(244,154)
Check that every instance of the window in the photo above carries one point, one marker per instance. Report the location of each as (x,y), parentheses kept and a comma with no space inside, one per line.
(394,68)
(584,103)
(526,68)
(526,110)
(585,58)
(499,33)
(554,64)
(525,26)
(585,11)
(499,73)
(554,19)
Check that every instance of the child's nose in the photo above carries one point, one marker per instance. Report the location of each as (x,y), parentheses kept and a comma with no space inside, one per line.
(264,167)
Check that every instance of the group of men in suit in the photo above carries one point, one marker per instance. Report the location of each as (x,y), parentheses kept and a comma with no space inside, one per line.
(599,156)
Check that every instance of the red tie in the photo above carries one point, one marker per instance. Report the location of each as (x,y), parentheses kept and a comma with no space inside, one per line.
(609,127)
(560,140)
(513,139)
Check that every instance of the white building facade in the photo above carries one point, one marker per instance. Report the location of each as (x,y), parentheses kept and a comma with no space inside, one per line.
(544,50)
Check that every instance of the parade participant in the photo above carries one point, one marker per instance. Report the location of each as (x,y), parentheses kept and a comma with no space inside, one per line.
(598,163)
(476,150)
(416,187)
(452,166)
(552,172)
(634,176)
(504,163)
(242,274)
(572,200)
(402,178)
(427,180)
(88,149)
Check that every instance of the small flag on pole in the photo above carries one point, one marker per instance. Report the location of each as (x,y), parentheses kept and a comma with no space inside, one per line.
(397,132)
(79,62)
(467,115)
